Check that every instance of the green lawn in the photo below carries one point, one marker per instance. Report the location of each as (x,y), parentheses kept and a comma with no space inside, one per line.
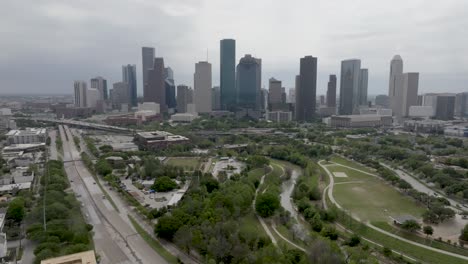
(371,199)
(188,163)
(340,160)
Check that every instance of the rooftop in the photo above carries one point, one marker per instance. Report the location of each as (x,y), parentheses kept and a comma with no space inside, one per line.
(86,257)
(26,132)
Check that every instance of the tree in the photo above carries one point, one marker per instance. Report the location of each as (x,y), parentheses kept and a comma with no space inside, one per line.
(164,184)
(316,223)
(167,226)
(103,167)
(106,148)
(16,210)
(353,241)
(411,225)
(266,204)
(464,233)
(428,230)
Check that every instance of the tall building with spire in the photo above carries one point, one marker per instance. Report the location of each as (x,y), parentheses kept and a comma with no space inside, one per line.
(395,84)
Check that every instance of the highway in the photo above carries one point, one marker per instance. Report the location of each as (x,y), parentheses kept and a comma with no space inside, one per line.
(115,239)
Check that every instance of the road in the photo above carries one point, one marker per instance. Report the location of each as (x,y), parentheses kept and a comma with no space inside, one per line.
(115,239)
(53,147)
(417,185)
(332,199)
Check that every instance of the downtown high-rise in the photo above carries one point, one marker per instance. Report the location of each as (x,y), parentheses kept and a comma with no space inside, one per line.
(306,86)
(100,84)
(147,58)
(155,87)
(331,91)
(129,77)
(228,74)
(80,89)
(202,87)
(349,86)
(403,88)
(248,82)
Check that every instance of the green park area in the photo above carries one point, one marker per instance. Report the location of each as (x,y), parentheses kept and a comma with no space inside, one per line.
(188,163)
(368,197)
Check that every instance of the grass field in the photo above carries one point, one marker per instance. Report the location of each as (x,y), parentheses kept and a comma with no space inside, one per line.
(370,198)
(188,163)
(340,160)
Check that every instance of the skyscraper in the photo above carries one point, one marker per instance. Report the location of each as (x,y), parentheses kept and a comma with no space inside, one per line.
(170,93)
(120,94)
(445,107)
(100,84)
(80,88)
(395,84)
(155,88)
(349,86)
(363,81)
(92,97)
(183,98)
(306,94)
(291,96)
(202,87)
(147,55)
(216,98)
(129,76)
(274,94)
(409,93)
(248,82)
(461,104)
(331,91)
(228,74)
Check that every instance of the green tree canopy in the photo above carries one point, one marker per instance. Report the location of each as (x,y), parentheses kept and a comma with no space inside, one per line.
(266,204)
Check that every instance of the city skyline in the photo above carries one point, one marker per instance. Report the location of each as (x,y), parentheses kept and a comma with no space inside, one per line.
(78,59)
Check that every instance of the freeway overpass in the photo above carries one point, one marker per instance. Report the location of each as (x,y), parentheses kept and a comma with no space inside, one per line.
(81,124)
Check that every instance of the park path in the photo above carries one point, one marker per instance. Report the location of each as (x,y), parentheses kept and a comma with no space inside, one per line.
(260,219)
(332,199)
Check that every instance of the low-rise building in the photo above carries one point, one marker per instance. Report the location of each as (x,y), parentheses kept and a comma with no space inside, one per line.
(183,117)
(27,136)
(425,126)
(421,111)
(279,116)
(361,121)
(456,131)
(158,140)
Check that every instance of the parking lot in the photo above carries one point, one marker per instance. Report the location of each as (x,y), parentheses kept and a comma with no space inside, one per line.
(223,165)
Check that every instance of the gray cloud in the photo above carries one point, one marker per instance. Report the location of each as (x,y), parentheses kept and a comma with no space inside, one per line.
(46,44)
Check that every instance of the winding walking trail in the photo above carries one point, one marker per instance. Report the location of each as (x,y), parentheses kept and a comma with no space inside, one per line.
(329,188)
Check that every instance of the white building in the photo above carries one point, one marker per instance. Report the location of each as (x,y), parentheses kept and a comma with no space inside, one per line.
(375,111)
(395,84)
(27,136)
(92,97)
(183,117)
(361,121)
(5,119)
(292,96)
(456,131)
(279,116)
(421,111)
(202,87)
(100,84)
(192,109)
(149,106)
(80,93)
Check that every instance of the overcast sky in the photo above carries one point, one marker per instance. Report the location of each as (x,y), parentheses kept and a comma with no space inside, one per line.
(46,44)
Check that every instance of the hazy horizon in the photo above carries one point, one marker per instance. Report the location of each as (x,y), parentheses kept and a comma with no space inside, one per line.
(54,43)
